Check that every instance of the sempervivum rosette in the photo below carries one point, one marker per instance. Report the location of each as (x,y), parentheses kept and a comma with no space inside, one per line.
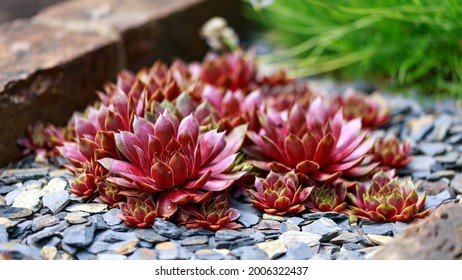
(387,200)
(139,211)
(172,159)
(312,144)
(391,153)
(328,198)
(280,194)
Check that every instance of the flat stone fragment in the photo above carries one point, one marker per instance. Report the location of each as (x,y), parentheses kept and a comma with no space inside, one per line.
(3,234)
(84,255)
(296,220)
(258,236)
(432,149)
(7,223)
(440,174)
(29,199)
(2,200)
(378,229)
(21,229)
(346,237)
(55,184)
(194,240)
(76,218)
(79,236)
(456,183)
(433,201)
(208,254)
(14,212)
(437,237)
(325,227)
(379,239)
(24,174)
(16,251)
(271,217)
(43,222)
(291,237)
(254,253)
(228,235)
(114,236)
(288,226)
(167,251)
(98,247)
(149,236)
(46,232)
(299,251)
(9,188)
(124,247)
(441,127)
(267,224)
(110,217)
(143,254)
(56,201)
(11,196)
(448,158)
(248,219)
(329,215)
(166,228)
(92,208)
(398,228)
(421,163)
(111,257)
(273,248)
(49,253)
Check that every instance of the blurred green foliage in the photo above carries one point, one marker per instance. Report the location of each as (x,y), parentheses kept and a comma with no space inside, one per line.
(402,43)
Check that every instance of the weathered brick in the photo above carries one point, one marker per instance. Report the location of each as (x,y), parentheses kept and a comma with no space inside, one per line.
(47,73)
(150,29)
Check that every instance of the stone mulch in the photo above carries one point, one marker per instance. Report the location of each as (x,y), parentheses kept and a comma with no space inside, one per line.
(41,219)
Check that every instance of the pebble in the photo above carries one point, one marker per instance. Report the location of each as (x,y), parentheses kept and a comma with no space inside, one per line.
(9,188)
(79,236)
(248,219)
(56,201)
(441,127)
(114,236)
(456,183)
(98,221)
(440,174)
(345,237)
(291,237)
(288,226)
(420,127)
(84,255)
(329,215)
(32,185)
(421,163)
(7,223)
(398,228)
(60,173)
(448,158)
(166,228)
(98,246)
(299,251)
(92,208)
(149,236)
(41,222)
(433,201)
(379,239)
(258,236)
(271,217)
(46,232)
(110,217)
(296,220)
(124,247)
(14,212)
(143,254)
(325,227)
(228,235)
(254,253)
(378,229)
(21,229)
(208,254)
(76,218)
(267,224)
(194,240)
(2,200)
(20,175)
(55,184)
(11,196)
(197,231)
(20,251)
(3,234)
(29,199)
(432,149)
(273,248)
(49,253)
(111,257)
(167,251)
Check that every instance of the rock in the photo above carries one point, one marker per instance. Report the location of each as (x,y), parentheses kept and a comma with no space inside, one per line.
(113,236)
(63,172)
(296,220)
(299,251)
(32,185)
(49,253)
(448,158)
(329,215)
(347,237)
(166,228)
(325,227)
(456,183)
(352,246)
(143,254)
(46,232)
(84,255)
(29,199)
(273,249)
(278,218)
(23,174)
(432,149)
(267,224)
(228,235)
(92,208)
(21,229)
(79,236)
(8,224)
(440,174)
(232,244)
(378,229)
(14,212)
(433,188)
(398,228)
(76,218)
(99,221)
(440,127)
(56,201)
(149,236)
(43,222)
(194,240)
(110,217)
(433,201)
(379,239)
(197,231)
(288,226)
(254,253)
(3,234)
(11,196)
(291,237)
(438,237)
(208,254)
(9,188)
(258,236)
(167,251)
(111,257)
(2,200)
(421,163)
(55,184)
(16,251)
(248,219)
(348,255)
(420,127)
(124,247)
(98,246)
